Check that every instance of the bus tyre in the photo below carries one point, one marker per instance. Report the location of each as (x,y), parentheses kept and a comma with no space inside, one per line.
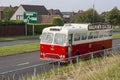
(77,56)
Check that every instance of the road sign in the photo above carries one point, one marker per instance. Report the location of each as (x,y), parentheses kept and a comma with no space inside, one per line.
(30,17)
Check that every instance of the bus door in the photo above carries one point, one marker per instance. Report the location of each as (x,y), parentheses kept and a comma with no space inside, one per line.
(70,36)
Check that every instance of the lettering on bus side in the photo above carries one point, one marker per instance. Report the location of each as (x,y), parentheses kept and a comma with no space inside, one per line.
(99,26)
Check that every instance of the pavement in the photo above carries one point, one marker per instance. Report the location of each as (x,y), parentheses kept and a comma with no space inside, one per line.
(16,42)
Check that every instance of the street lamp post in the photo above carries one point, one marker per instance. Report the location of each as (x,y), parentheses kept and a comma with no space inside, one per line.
(93,10)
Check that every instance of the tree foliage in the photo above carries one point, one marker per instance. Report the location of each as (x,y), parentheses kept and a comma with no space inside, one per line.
(113,16)
(89,16)
(58,21)
(7,13)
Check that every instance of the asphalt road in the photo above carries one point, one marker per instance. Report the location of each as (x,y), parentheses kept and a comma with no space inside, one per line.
(16,62)
(23,65)
(10,43)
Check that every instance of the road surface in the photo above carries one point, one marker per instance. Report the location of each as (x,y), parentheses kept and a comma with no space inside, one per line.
(17,42)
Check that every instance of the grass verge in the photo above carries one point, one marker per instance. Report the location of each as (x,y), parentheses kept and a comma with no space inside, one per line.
(116,36)
(17,49)
(18,38)
(98,69)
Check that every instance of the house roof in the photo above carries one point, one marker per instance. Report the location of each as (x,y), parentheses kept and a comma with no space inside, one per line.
(55,12)
(2,8)
(36,8)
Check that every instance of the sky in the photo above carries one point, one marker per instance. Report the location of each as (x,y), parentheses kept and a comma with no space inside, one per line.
(67,5)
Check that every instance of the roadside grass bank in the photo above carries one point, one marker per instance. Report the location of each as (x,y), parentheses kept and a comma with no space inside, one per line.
(116,36)
(18,49)
(18,38)
(98,69)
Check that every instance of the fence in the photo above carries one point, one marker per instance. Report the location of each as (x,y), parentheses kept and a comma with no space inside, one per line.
(21,74)
(12,30)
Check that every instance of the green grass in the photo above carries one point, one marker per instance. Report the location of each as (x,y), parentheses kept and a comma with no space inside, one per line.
(98,69)
(18,38)
(116,36)
(17,49)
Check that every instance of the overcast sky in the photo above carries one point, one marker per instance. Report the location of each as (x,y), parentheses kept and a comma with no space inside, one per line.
(67,5)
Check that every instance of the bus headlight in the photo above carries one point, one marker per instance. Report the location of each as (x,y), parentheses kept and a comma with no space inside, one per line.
(42,53)
(62,56)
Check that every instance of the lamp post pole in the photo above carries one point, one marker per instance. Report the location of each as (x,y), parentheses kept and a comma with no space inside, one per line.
(93,10)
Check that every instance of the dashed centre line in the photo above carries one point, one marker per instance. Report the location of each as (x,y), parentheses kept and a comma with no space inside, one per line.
(21,64)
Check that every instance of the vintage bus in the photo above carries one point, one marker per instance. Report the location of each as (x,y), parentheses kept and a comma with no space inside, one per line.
(61,42)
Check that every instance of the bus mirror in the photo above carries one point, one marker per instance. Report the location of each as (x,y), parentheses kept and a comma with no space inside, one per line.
(40,38)
(70,42)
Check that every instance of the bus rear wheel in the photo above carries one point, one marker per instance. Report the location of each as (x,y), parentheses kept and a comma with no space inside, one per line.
(77,56)
(102,51)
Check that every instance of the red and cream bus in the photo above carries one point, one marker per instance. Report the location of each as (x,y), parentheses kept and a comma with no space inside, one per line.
(61,42)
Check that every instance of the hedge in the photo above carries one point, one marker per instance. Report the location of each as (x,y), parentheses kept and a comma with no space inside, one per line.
(12,22)
(37,28)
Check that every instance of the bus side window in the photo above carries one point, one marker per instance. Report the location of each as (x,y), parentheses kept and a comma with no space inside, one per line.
(110,33)
(96,34)
(101,34)
(77,37)
(90,35)
(105,34)
(83,36)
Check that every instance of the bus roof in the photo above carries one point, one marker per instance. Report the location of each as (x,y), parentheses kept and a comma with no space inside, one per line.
(71,28)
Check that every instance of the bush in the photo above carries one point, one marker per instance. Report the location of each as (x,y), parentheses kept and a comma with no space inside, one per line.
(37,28)
(58,22)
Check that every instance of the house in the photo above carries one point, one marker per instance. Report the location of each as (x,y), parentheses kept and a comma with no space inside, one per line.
(1,12)
(69,16)
(52,14)
(18,15)
(44,16)
(55,12)
(2,8)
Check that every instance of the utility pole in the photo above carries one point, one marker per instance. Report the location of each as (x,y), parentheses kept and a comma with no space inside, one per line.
(93,10)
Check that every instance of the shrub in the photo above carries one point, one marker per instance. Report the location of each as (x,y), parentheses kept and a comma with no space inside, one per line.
(58,22)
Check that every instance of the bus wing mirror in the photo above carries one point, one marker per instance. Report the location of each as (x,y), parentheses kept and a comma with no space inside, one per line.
(70,43)
(40,38)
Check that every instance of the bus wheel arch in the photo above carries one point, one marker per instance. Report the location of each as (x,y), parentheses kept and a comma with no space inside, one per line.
(77,53)
(102,51)
(102,48)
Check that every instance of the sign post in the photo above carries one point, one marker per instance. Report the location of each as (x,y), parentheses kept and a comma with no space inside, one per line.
(29,18)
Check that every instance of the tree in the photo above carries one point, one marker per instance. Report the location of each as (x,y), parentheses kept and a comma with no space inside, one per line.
(113,16)
(89,16)
(8,12)
(58,21)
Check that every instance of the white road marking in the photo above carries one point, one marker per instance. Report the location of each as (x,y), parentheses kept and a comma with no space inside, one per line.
(118,44)
(21,64)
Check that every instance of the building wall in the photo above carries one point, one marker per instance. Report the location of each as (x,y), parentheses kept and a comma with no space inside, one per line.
(47,18)
(12,30)
(18,14)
